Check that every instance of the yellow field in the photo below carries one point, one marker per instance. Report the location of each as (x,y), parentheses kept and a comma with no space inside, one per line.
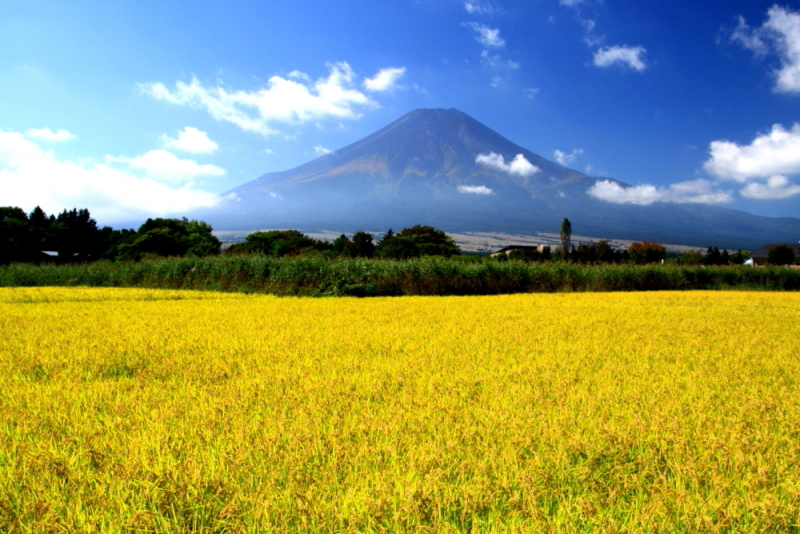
(163,411)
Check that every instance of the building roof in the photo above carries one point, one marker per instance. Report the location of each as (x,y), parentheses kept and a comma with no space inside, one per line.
(763,251)
(520,247)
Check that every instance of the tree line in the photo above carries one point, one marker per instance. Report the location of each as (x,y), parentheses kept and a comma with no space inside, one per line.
(73,236)
(408,243)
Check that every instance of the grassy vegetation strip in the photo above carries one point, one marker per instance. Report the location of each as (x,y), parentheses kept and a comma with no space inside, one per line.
(363,277)
(176,411)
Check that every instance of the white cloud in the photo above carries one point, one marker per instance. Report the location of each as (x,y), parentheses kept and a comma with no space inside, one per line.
(486,36)
(385,79)
(30,176)
(566,159)
(531,92)
(781,33)
(497,62)
(285,100)
(479,8)
(320,150)
(695,191)
(46,134)
(164,165)
(190,140)
(519,165)
(475,190)
(748,38)
(777,186)
(629,56)
(570,3)
(777,152)
(786,26)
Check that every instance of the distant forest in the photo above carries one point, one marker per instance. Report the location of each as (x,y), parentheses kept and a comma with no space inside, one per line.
(73,236)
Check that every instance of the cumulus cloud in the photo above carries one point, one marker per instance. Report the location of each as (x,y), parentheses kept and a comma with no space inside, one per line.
(519,165)
(164,165)
(385,79)
(777,186)
(291,100)
(627,56)
(566,159)
(320,150)
(190,140)
(475,190)
(479,8)
(487,36)
(777,152)
(779,34)
(46,134)
(30,176)
(695,191)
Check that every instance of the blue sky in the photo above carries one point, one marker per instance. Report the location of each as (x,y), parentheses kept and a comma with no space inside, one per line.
(144,108)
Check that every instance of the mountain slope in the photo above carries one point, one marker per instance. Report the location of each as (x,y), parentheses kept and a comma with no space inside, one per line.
(444,168)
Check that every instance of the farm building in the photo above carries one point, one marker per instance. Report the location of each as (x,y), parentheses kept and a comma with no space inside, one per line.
(759,257)
(525,250)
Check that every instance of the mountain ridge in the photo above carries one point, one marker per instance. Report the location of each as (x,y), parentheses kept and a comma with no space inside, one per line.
(444,168)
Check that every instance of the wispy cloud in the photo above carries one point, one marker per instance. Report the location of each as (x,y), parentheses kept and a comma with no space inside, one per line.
(479,8)
(190,140)
(46,134)
(486,36)
(291,100)
(627,56)
(519,165)
(695,191)
(780,34)
(385,79)
(566,159)
(30,176)
(320,150)
(497,62)
(475,190)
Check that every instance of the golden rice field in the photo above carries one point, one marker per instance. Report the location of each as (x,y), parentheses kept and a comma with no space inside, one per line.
(135,410)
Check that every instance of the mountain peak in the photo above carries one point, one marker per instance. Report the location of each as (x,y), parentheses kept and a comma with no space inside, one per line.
(444,168)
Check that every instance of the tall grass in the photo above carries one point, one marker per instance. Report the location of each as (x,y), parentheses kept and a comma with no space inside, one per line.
(160,411)
(316,276)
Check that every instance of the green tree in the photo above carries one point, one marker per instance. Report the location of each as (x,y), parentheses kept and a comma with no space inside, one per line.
(565,235)
(780,255)
(691,257)
(277,243)
(340,244)
(643,252)
(600,252)
(75,236)
(417,241)
(398,248)
(17,237)
(713,257)
(739,257)
(170,237)
(361,246)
